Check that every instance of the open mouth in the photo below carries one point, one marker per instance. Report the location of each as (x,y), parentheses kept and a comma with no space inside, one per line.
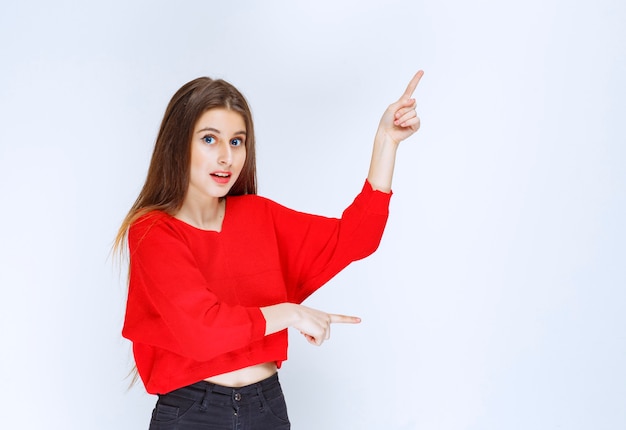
(221,177)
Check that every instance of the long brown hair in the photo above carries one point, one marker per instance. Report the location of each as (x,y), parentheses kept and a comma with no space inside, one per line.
(168,175)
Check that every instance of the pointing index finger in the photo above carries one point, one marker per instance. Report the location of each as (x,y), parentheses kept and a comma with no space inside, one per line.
(344,319)
(412,85)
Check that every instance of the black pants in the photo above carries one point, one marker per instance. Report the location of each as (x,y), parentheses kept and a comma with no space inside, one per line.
(207,406)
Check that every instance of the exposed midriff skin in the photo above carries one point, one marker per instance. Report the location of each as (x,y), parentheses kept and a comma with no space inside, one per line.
(246,376)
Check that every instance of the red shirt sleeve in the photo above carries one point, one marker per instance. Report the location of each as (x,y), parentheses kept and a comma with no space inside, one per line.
(313,248)
(170,304)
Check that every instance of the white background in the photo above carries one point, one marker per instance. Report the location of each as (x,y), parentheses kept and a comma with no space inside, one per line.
(497,297)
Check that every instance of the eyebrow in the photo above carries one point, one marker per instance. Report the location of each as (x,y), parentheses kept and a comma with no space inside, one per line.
(215,130)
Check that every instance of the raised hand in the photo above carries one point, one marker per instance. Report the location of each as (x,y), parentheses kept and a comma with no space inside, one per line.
(400,119)
(397,123)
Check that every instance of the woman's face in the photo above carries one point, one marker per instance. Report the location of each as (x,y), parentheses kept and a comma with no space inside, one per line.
(218,153)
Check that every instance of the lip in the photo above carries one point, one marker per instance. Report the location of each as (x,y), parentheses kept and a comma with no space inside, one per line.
(221,177)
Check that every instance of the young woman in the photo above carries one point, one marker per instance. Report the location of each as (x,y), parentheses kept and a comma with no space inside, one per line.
(217,273)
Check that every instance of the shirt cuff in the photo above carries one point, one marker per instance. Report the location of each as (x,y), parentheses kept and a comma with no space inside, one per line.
(375,201)
(258,323)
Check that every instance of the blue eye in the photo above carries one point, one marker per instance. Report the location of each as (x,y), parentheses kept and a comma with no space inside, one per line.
(209,140)
(236,142)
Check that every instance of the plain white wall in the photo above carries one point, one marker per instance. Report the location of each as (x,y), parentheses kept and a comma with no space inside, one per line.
(496,299)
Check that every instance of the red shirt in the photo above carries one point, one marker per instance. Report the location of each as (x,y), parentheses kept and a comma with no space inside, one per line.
(194,297)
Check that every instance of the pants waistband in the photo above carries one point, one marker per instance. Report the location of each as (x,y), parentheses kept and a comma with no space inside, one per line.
(199,389)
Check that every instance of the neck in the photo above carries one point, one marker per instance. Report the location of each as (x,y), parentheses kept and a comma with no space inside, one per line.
(206,216)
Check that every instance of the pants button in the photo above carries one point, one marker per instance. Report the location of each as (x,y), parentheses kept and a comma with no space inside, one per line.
(237,396)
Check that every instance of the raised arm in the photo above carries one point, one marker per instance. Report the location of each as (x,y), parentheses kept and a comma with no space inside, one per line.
(397,123)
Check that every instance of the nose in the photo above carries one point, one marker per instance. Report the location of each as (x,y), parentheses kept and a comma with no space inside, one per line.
(225,156)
